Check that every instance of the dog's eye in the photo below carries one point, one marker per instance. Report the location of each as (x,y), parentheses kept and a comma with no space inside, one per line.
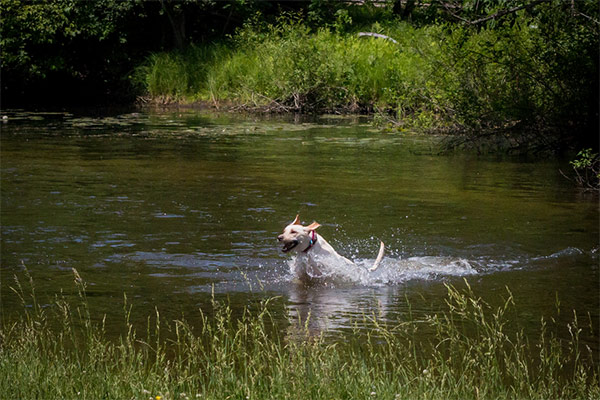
(293,231)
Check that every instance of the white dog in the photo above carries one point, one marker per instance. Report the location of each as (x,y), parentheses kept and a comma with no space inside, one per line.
(313,250)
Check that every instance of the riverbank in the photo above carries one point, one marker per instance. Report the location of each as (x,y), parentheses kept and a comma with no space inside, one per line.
(513,83)
(59,350)
(524,74)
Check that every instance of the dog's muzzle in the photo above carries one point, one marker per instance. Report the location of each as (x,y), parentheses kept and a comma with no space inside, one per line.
(287,246)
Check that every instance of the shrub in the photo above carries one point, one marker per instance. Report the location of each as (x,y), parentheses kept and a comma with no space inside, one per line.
(587,169)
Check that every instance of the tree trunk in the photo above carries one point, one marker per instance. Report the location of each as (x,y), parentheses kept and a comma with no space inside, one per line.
(405,13)
(408,9)
(397,7)
(177,22)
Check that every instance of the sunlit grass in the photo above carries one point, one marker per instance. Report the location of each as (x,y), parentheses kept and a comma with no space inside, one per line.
(467,353)
(289,68)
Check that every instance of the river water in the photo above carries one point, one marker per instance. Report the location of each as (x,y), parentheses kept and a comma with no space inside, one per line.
(175,208)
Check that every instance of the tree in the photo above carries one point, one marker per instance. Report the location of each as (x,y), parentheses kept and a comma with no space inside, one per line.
(405,12)
(60,39)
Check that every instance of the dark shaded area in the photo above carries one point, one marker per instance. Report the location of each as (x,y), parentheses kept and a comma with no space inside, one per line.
(73,53)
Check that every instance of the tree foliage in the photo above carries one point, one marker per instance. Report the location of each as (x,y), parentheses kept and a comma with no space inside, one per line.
(67,40)
(85,49)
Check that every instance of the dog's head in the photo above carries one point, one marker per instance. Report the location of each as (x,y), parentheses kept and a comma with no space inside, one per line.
(297,237)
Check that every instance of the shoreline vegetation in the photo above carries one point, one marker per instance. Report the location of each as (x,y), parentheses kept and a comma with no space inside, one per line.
(519,85)
(60,350)
(518,76)
(499,83)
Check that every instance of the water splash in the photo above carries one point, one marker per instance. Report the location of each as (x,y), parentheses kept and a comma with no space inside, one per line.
(394,270)
(567,252)
(391,270)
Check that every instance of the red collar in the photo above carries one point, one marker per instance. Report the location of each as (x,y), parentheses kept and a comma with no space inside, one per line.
(313,240)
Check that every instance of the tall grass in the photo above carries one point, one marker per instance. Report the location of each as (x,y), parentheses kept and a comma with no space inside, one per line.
(319,71)
(288,67)
(468,353)
(174,76)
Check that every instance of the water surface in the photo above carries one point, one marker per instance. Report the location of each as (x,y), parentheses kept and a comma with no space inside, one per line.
(173,208)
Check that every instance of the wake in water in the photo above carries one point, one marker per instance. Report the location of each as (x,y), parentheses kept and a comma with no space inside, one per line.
(395,270)
(390,271)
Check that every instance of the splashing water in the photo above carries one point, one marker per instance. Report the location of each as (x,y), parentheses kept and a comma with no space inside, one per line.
(390,271)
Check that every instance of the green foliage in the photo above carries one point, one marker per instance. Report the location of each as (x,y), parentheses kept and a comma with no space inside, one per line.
(539,68)
(585,159)
(65,51)
(60,51)
(27,27)
(587,169)
(464,352)
(173,76)
(288,65)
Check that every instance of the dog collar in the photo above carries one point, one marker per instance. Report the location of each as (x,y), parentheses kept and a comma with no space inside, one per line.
(313,240)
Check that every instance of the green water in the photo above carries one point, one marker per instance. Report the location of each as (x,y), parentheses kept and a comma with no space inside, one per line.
(172,207)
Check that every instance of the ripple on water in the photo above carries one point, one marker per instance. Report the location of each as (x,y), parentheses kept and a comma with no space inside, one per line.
(167,215)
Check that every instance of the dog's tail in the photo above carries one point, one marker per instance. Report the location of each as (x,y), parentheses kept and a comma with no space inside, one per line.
(379,257)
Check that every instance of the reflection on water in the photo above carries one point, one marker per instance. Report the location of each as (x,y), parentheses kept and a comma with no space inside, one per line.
(173,207)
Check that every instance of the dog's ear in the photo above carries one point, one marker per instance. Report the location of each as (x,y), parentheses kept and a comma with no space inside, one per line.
(297,220)
(313,226)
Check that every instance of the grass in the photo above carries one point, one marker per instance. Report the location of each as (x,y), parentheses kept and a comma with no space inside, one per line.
(468,353)
(287,67)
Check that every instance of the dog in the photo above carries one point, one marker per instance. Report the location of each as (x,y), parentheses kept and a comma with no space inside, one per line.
(313,250)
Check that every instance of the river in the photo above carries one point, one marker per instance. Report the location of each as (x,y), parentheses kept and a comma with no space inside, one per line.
(174,208)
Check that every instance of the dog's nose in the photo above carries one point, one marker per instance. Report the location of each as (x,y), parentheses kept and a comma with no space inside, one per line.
(280,238)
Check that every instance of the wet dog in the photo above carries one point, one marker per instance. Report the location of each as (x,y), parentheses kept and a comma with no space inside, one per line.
(313,250)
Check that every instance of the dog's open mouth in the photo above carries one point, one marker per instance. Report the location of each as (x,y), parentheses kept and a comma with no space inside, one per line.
(289,246)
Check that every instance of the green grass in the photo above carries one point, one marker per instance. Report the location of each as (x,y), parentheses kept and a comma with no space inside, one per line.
(467,353)
(289,68)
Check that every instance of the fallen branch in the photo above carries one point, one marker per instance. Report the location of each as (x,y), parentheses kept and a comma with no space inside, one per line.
(377,35)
